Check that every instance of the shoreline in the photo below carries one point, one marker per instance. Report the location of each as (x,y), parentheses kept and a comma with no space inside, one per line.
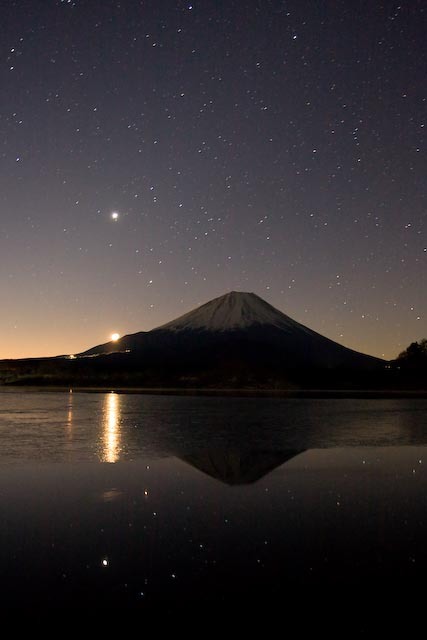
(244,393)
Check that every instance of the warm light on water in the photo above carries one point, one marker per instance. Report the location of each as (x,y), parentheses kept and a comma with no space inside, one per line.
(110,452)
(70,413)
(212,501)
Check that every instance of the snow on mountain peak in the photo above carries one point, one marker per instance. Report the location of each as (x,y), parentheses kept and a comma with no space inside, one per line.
(234,310)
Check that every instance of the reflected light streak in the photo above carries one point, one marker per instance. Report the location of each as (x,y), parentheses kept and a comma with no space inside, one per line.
(69,424)
(110,452)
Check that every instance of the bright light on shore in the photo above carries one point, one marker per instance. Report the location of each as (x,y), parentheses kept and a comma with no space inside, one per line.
(115,216)
(115,337)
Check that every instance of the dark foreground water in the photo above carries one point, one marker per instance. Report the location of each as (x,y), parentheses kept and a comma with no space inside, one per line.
(249,506)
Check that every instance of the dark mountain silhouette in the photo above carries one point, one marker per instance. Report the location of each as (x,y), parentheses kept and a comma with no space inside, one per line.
(239,325)
(237,334)
(236,340)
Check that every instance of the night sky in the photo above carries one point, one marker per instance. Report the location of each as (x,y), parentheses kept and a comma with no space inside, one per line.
(265,146)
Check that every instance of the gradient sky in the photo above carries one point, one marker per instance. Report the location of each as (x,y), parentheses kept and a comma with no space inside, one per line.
(266,146)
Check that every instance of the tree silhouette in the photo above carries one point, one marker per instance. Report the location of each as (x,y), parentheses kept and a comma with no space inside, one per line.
(415,356)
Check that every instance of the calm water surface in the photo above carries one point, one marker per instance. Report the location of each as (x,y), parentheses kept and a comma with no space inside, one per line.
(161,503)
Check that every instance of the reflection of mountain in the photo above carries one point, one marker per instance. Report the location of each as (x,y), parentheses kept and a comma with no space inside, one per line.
(233,467)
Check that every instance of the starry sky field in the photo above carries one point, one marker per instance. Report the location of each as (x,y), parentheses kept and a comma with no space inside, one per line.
(266,146)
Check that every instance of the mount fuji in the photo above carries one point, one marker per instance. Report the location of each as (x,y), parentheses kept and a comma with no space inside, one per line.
(235,341)
(237,332)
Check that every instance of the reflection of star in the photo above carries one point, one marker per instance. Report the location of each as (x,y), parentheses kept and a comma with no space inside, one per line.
(115,216)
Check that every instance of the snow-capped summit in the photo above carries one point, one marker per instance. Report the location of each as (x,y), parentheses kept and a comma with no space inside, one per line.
(234,310)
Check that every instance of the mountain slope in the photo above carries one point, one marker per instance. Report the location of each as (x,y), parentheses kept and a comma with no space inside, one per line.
(235,341)
(238,330)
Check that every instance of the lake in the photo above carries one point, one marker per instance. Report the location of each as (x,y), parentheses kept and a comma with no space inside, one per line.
(150,504)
